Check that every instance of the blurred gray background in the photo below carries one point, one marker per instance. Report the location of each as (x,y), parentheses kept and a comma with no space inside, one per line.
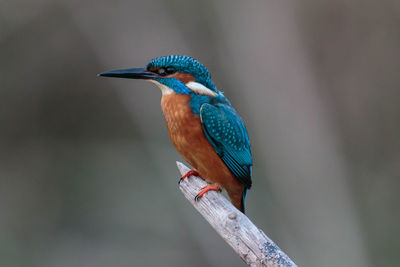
(88,175)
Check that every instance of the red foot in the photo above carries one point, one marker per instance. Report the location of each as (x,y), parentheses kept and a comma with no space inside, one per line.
(189,173)
(210,187)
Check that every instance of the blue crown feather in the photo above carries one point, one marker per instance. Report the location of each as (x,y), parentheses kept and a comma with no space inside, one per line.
(185,64)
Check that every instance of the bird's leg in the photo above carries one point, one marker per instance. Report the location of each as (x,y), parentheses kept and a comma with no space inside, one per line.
(189,173)
(210,187)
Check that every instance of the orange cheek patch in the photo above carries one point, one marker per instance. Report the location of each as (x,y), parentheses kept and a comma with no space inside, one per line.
(183,77)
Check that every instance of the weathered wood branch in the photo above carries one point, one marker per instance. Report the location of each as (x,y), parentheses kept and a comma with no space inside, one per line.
(251,243)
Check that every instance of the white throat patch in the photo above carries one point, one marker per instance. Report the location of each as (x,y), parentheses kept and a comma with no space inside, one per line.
(200,89)
(165,90)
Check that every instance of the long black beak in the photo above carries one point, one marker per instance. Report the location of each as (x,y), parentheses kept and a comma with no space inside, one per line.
(135,73)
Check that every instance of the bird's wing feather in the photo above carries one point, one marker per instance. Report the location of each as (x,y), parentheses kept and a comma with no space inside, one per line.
(227,133)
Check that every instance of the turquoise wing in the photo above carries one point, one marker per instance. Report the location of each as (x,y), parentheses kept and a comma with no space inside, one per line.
(227,133)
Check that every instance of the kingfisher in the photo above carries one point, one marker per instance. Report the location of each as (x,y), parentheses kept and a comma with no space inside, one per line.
(202,124)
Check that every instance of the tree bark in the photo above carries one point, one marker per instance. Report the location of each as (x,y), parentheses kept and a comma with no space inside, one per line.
(249,242)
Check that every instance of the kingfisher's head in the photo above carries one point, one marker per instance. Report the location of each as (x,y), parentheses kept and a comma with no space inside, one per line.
(179,74)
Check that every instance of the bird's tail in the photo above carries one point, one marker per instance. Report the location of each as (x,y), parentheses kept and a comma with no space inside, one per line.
(243,200)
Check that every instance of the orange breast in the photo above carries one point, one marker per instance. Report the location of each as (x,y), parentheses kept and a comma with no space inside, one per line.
(187,135)
(184,127)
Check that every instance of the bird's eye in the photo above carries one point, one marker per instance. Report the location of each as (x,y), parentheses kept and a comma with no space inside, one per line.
(166,71)
(170,70)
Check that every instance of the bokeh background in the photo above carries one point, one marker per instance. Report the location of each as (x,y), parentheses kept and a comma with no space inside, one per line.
(87,172)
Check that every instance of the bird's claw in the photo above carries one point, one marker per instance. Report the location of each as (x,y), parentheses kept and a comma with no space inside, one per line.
(189,173)
(205,189)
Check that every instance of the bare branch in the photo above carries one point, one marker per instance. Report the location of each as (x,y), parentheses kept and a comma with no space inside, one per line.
(252,244)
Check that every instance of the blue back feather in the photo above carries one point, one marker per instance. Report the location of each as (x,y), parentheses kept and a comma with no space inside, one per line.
(226,132)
